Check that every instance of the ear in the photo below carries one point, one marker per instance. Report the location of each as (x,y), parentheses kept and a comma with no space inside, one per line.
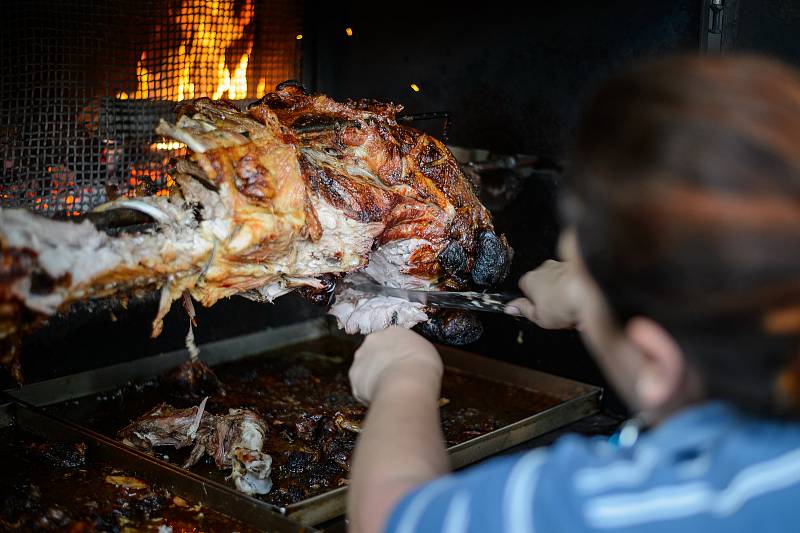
(662,367)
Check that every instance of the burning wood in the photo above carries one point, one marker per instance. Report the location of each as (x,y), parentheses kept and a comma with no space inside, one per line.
(199,63)
(260,210)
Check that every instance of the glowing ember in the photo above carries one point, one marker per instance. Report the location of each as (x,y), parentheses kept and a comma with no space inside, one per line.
(149,178)
(61,194)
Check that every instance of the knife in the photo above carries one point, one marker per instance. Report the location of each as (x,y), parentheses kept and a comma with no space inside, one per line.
(472,301)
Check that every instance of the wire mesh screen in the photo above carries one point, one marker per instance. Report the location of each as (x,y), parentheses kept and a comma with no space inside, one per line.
(83,84)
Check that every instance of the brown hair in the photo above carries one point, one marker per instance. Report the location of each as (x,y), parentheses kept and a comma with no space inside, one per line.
(686,193)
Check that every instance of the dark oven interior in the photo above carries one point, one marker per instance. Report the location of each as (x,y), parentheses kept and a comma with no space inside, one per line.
(82,84)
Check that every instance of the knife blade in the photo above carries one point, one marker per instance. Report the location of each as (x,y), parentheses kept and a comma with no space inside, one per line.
(473,301)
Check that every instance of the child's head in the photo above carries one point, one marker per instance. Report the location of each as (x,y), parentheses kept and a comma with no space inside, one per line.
(685,198)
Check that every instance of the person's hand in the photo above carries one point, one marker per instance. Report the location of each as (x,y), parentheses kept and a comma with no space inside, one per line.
(394,355)
(553,296)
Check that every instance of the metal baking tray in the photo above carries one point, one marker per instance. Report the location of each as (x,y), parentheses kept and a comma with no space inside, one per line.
(210,494)
(575,400)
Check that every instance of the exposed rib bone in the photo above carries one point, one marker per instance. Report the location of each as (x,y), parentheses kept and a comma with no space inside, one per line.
(194,143)
(137,205)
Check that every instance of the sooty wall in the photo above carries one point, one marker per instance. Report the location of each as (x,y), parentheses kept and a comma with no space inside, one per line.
(511,73)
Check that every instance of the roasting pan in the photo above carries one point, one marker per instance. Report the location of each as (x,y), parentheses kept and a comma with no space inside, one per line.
(574,401)
(210,494)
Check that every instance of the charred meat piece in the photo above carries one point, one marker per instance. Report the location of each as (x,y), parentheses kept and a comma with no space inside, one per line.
(492,261)
(233,440)
(284,195)
(453,327)
(322,295)
(319,430)
(193,379)
(60,454)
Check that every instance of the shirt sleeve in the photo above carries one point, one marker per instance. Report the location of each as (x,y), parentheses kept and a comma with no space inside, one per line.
(521,493)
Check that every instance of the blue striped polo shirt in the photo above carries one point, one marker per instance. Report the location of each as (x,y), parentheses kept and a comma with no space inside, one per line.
(708,468)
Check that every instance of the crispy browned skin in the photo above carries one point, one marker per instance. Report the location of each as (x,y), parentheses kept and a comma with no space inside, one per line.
(415,187)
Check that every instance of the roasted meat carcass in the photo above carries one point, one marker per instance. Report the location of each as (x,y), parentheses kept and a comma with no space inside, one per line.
(234,440)
(434,232)
(290,193)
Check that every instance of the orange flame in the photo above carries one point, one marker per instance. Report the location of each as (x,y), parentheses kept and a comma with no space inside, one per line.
(211,35)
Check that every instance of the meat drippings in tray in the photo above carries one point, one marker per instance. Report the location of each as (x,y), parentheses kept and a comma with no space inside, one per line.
(55,485)
(302,394)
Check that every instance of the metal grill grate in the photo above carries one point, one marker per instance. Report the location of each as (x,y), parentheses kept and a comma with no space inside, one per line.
(83,84)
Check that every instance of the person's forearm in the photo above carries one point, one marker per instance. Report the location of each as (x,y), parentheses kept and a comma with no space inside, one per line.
(400,447)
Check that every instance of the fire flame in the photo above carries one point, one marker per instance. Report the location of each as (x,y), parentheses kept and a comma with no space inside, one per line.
(206,48)
(211,58)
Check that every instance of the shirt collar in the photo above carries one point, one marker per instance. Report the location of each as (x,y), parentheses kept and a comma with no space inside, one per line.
(694,427)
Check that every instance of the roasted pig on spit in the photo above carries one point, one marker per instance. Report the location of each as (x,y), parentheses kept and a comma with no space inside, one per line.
(291,193)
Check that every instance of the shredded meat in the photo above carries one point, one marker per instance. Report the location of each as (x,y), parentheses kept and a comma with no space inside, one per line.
(233,440)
